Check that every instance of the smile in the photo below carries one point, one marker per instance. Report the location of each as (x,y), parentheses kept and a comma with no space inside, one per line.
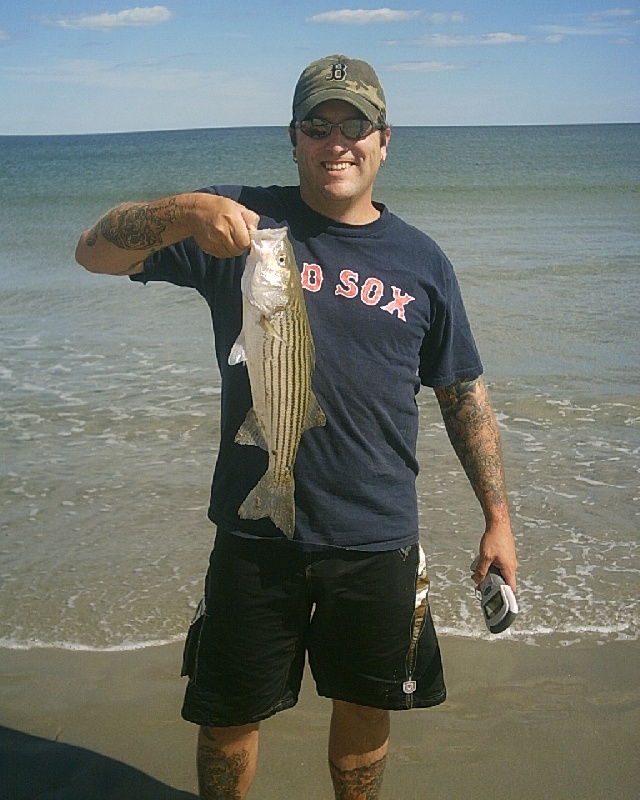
(337,166)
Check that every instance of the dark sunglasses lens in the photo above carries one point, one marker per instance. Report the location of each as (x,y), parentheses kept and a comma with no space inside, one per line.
(351,128)
(356,128)
(316,128)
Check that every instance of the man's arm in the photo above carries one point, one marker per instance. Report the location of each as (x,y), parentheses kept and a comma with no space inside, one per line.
(473,432)
(119,243)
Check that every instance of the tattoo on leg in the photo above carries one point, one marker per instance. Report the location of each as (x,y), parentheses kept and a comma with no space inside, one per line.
(219,773)
(135,227)
(361,783)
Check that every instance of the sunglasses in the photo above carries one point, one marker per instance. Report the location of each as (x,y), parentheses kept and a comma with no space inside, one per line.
(353,129)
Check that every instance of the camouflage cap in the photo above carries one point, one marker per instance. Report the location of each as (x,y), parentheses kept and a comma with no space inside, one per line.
(340,78)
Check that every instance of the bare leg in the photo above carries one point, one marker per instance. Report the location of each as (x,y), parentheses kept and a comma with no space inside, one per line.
(358,744)
(227,759)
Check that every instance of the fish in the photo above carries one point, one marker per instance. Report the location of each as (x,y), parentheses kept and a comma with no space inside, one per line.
(277,347)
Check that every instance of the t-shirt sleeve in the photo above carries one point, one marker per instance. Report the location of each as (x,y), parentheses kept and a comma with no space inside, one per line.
(183,264)
(449,352)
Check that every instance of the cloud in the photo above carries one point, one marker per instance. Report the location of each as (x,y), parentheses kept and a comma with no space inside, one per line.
(362,16)
(440,18)
(4,36)
(150,75)
(366,16)
(613,21)
(128,18)
(611,13)
(421,66)
(445,40)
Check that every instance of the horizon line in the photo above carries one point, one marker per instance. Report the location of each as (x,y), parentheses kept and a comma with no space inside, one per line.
(284,127)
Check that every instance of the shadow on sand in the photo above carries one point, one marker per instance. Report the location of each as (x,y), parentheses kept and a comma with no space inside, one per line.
(31,767)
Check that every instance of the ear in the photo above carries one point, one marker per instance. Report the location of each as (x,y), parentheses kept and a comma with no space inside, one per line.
(292,135)
(385,136)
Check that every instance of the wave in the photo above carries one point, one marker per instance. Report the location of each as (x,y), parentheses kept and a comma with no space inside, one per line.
(37,644)
(538,635)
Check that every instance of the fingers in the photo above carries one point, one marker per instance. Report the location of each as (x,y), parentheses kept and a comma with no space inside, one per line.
(497,548)
(482,569)
(221,227)
(237,225)
(252,220)
(480,572)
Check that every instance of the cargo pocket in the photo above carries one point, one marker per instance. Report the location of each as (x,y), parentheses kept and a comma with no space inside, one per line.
(192,644)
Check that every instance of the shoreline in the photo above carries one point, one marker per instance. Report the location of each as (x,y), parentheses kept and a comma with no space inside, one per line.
(548,722)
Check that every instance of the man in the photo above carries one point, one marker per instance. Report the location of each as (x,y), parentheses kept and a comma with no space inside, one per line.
(350,589)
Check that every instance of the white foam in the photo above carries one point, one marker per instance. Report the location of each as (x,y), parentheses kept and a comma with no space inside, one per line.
(592,482)
(38,644)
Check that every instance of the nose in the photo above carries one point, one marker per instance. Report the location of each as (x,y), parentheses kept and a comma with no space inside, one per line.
(336,137)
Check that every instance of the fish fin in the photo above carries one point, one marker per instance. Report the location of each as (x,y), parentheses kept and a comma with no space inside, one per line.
(268,327)
(315,415)
(250,432)
(274,500)
(238,354)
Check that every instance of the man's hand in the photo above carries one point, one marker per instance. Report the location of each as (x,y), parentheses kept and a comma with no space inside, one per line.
(497,547)
(219,225)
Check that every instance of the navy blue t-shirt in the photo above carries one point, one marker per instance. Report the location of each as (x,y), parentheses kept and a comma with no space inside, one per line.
(386,314)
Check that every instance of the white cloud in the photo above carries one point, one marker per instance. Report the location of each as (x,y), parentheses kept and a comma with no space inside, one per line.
(444,40)
(363,16)
(602,23)
(611,13)
(421,66)
(439,18)
(368,16)
(110,75)
(569,30)
(128,18)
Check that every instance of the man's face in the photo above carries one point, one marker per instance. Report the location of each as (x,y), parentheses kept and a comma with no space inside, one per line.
(336,173)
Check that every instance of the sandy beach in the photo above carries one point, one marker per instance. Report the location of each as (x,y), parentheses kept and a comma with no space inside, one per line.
(523,721)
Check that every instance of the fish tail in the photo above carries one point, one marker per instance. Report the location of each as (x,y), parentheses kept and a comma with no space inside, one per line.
(274,499)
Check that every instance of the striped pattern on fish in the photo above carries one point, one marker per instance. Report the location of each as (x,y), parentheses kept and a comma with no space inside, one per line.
(277,346)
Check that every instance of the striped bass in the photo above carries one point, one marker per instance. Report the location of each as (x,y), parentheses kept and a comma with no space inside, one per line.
(276,344)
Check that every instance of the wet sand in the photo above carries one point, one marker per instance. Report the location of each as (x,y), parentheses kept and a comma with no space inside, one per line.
(520,721)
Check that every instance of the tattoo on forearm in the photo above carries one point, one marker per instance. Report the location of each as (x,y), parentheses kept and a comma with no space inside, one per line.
(473,432)
(135,227)
(361,783)
(219,774)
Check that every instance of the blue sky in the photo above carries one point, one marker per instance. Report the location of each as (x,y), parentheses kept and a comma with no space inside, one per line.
(80,66)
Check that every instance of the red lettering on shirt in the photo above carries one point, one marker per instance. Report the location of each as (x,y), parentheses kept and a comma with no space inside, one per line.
(372,292)
(311,277)
(398,303)
(349,281)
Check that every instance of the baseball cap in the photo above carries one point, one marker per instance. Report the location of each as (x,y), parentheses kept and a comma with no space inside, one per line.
(340,78)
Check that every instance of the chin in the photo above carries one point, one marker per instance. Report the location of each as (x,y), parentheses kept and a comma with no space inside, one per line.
(339,191)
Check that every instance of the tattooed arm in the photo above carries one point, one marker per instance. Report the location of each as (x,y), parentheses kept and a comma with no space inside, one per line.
(119,243)
(473,431)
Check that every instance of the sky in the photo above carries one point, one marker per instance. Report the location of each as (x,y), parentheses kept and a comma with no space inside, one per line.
(98,66)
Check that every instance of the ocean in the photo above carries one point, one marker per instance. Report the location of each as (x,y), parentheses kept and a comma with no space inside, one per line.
(109,390)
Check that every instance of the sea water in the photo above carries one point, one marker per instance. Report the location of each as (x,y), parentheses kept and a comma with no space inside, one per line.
(109,393)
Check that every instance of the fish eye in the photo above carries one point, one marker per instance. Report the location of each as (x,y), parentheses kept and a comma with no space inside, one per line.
(282,261)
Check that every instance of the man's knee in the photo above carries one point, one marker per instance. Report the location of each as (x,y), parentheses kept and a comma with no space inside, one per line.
(229,734)
(360,714)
